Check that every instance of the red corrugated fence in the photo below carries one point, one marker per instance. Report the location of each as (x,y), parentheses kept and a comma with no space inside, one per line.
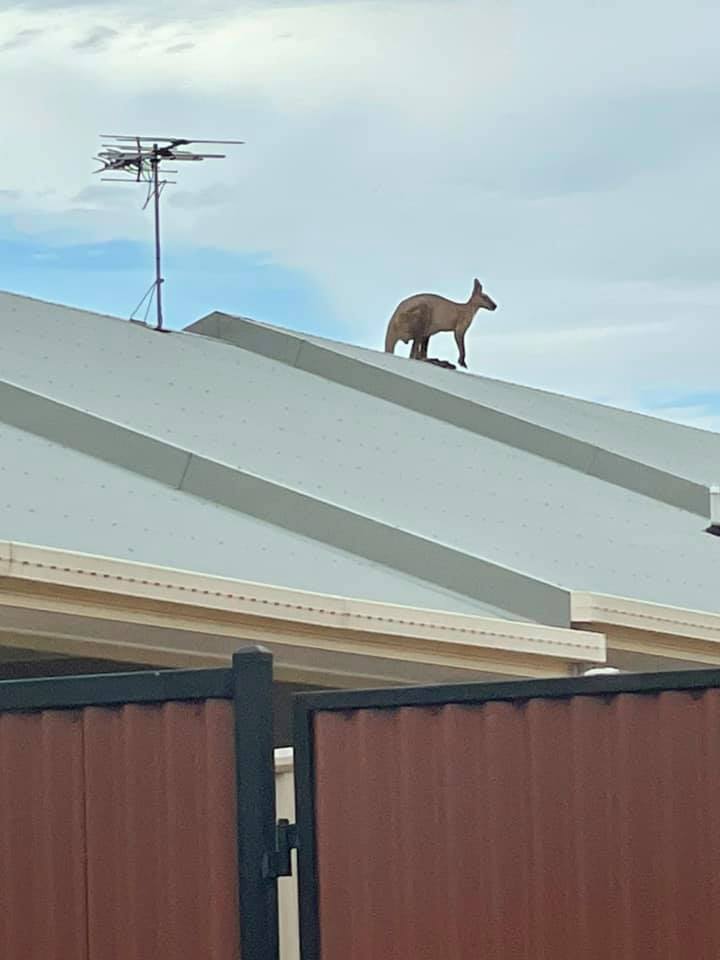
(42,837)
(543,829)
(117,833)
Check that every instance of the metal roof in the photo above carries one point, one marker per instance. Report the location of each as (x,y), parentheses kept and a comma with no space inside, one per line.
(257,453)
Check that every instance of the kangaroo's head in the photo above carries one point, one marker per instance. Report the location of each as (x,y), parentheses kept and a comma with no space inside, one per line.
(480,299)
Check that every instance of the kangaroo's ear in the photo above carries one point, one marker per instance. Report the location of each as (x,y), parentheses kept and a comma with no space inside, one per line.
(477,285)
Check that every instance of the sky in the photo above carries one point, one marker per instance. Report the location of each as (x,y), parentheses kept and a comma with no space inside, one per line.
(566,153)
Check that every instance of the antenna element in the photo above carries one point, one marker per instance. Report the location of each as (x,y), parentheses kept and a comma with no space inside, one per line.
(138,160)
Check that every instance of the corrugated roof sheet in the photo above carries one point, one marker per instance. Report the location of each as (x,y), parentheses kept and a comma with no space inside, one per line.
(279,445)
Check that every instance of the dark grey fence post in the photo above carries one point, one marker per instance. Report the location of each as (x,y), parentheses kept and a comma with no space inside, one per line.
(256,815)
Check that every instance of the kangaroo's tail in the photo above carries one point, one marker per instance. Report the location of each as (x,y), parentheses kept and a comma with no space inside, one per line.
(391,338)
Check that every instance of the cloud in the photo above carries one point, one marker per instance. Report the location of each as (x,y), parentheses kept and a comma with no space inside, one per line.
(176,9)
(595,146)
(21,39)
(180,47)
(208,197)
(96,39)
(101,197)
(91,195)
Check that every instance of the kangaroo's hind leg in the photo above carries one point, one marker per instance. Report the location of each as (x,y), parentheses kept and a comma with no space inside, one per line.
(417,325)
(423,348)
(422,332)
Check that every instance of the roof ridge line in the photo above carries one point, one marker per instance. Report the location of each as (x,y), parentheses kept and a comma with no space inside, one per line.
(513,431)
(322,340)
(68,306)
(282,506)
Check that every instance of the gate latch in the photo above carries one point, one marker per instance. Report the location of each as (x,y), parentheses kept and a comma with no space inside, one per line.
(278,862)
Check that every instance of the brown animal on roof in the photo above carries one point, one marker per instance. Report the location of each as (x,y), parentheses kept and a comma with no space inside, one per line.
(418,317)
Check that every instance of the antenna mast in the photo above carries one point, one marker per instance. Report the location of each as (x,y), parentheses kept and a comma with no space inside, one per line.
(138,160)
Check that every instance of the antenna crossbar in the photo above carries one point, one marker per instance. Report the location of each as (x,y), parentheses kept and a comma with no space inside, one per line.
(178,141)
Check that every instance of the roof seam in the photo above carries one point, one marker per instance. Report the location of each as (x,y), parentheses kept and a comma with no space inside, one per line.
(184,473)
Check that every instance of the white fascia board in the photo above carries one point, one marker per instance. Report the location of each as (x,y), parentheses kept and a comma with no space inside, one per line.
(603,610)
(388,622)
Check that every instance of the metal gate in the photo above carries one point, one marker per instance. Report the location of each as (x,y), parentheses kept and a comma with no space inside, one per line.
(521,821)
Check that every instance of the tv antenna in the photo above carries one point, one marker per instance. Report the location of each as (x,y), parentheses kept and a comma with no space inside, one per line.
(138,159)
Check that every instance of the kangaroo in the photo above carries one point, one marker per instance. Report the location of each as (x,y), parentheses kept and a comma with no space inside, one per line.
(417,318)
